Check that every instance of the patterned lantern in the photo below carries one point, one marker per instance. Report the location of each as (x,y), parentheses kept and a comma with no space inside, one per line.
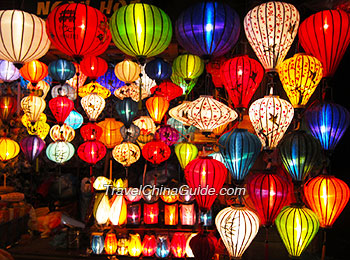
(213,68)
(185,152)
(34,71)
(327,197)
(79,78)
(168,90)
(25,34)
(188,66)
(150,213)
(149,245)
(241,77)
(62,133)
(328,122)
(144,81)
(127,71)
(78,30)
(300,76)
(111,135)
(167,134)
(132,91)
(97,243)
(203,245)
(123,244)
(146,125)
(8,71)
(61,70)
(127,110)
(74,120)
(117,212)
(111,243)
(60,152)
(297,227)
(93,87)
(326,36)
(110,81)
(91,151)
(187,214)
(181,128)
(135,245)
(240,149)
(178,245)
(63,90)
(130,134)
(8,149)
(237,226)
(141,30)
(180,113)
(186,85)
(157,107)
(126,153)
(39,128)
(205,172)
(270,29)
(156,152)
(158,70)
(93,105)
(41,89)
(32,107)
(93,67)
(61,107)
(163,246)
(270,117)
(8,106)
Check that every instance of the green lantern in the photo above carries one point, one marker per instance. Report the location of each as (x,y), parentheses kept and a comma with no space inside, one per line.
(186,86)
(185,152)
(297,226)
(188,66)
(141,30)
(60,152)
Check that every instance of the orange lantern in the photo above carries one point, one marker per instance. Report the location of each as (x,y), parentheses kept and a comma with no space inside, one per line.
(178,245)
(171,214)
(135,245)
(149,245)
(127,71)
(150,213)
(111,135)
(117,212)
(157,107)
(34,71)
(111,243)
(169,197)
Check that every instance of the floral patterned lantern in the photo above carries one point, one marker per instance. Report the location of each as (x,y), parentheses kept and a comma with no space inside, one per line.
(132,91)
(63,90)
(180,113)
(62,133)
(93,87)
(93,105)
(146,125)
(79,78)
(130,134)
(41,89)
(60,152)
(156,152)
(126,153)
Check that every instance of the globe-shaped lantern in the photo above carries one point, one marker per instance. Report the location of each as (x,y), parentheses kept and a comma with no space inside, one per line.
(25,34)
(8,149)
(32,107)
(146,125)
(130,134)
(111,135)
(144,81)
(32,146)
(167,134)
(91,132)
(91,151)
(185,152)
(74,120)
(94,87)
(186,85)
(141,30)
(208,29)
(203,246)
(62,133)
(8,106)
(34,71)
(61,107)
(158,70)
(93,104)
(78,79)
(78,30)
(61,70)
(93,67)
(157,107)
(156,152)
(126,153)
(40,89)
(188,66)
(127,71)
(127,110)
(326,36)
(63,90)
(110,81)
(60,152)
(168,90)
(8,71)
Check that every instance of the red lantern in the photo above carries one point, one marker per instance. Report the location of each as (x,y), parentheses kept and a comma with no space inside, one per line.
(205,173)
(78,30)
(149,245)
(93,67)
(269,194)
(91,151)
(157,107)
(150,213)
(178,245)
(34,71)
(203,245)
(156,152)
(213,68)
(91,132)
(111,243)
(168,90)
(8,106)
(61,107)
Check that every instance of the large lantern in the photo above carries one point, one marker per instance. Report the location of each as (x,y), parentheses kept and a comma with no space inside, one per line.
(156,152)
(127,71)
(8,149)
(158,70)
(241,77)
(60,152)
(110,81)
(61,107)
(270,29)
(8,71)
(185,152)
(126,153)
(25,34)
(167,134)
(32,146)
(237,226)
(178,245)
(188,66)
(8,106)
(327,197)
(74,120)
(141,30)
(168,90)
(326,35)
(157,107)
(61,70)
(149,245)
(127,110)
(93,67)
(270,117)
(297,226)
(205,172)
(78,30)
(203,245)
(208,29)
(32,107)
(111,135)
(93,105)
(34,71)
(91,151)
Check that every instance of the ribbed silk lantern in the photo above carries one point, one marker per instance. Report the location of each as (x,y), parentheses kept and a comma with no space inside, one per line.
(111,135)
(167,134)
(93,67)
(34,71)
(132,91)
(185,152)
(77,81)
(62,133)
(93,104)
(91,132)
(8,71)
(168,90)
(126,153)
(156,152)
(188,66)
(32,146)
(61,107)
(146,125)
(127,71)
(32,107)
(110,243)
(178,245)
(74,120)
(158,70)
(61,70)
(203,245)
(60,152)
(110,81)
(91,151)
(157,107)
(127,110)
(8,106)
(8,149)
(63,90)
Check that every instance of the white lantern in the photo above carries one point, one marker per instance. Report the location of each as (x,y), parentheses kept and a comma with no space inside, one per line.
(62,133)
(64,90)
(146,125)
(93,105)
(60,152)
(8,71)
(103,209)
(41,85)
(180,113)
(118,211)
(126,153)
(32,107)
(147,82)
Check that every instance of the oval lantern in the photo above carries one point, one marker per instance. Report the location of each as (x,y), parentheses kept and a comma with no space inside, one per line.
(163,246)
(141,30)
(158,70)
(61,70)
(60,152)
(130,134)
(149,245)
(185,152)
(208,29)
(326,35)
(111,135)
(186,85)
(91,132)
(146,125)
(93,67)
(8,106)
(178,245)
(168,90)
(62,133)
(93,87)
(9,149)
(41,89)
(61,107)
(203,245)
(74,120)
(205,172)
(127,71)
(32,107)
(97,243)
(93,105)
(270,29)
(63,90)
(78,79)
(144,81)
(135,245)
(126,153)
(167,134)
(157,107)
(110,243)
(156,152)
(91,151)
(110,81)
(78,30)
(127,110)
(188,66)
(25,34)
(34,71)
(32,146)
(8,71)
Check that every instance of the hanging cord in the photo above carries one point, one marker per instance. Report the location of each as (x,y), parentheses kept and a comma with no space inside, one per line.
(271,84)
(323,256)
(266,243)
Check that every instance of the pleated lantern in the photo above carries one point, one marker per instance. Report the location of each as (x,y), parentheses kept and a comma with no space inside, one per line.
(127,71)
(118,211)
(91,132)
(32,146)
(34,71)
(8,106)
(158,70)
(188,66)
(126,153)
(203,245)
(74,120)
(93,67)
(185,152)
(32,107)
(127,110)
(60,152)
(97,243)
(163,246)
(110,243)
(180,113)
(168,90)
(93,105)
(111,135)
(61,107)
(157,107)
(156,152)
(8,71)
(9,149)
(91,151)
(61,70)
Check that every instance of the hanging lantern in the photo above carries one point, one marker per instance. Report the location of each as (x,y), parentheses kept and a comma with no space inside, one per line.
(146,125)
(185,194)
(93,87)
(241,77)
(186,85)
(180,113)
(32,146)
(126,153)
(158,70)
(130,134)
(111,135)
(270,29)
(178,245)
(8,71)
(219,130)
(325,35)
(79,78)
(300,76)
(205,172)
(187,214)
(297,227)
(135,245)
(102,209)
(74,120)
(181,128)
(144,81)
(163,246)
(149,245)
(117,212)
(188,66)
(91,132)
(97,243)
(142,140)
(328,122)
(101,183)
(62,133)
(91,151)
(168,90)
(61,70)
(171,214)
(93,67)
(110,81)
(185,152)
(213,68)
(218,156)
(150,213)
(127,71)
(134,214)
(131,91)
(127,110)
(78,30)
(240,149)
(25,34)
(8,106)
(237,226)
(189,252)
(8,149)
(63,90)
(93,105)
(327,197)
(203,245)
(32,107)
(41,89)
(141,30)
(39,128)
(156,152)
(270,117)
(110,244)
(61,107)
(167,134)
(157,107)
(26,121)
(60,152)
(34,71)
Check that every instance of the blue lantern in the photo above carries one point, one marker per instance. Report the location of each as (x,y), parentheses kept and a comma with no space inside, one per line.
(208,29)
(110,81)
(183,130)
(97,243)
(240,150)
(206,218)
(61,70)
(74,120)
(127,110)
(328,122)
(24,83)
(158,70)
(163,246)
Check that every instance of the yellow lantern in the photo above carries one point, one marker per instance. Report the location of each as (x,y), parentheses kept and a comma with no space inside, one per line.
(146,125)
(93,104)
(127,71)
(188,66)
(131,91)
(111,135)
(33,106)
(142,140)
(220,129)
(42,86)
(118,212)
(185,152)
(93,87)
(300,76)
(103,209)
(39,128)
(157,107)
(26,121)
(123,245)
(126,153)
(62,133)
(135,245)
(101,183)
(8,149)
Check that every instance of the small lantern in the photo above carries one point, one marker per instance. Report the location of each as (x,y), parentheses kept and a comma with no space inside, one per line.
(101,183)
(127,71)
(110,81)
(93,87)
(32,146)
(74,120)
(158,69)
(8,71)
(178,245)
(135,245)
(91,132)
(134,214)
(97,243)
(118,210)
(63,90)
(188,66)
(185,152)
(185,194)
(111,244)
(168,196)
(62,133)
(149,245)
(123,246)
(111,135)
(79,78)
(130,134)
(206,218)
(171,214)
(146,125)
(8,149)
(91,151)
(34,71)
(127,110)
(61,70)
(8,106)
(168,90)
(126,153)
(60,107)
(40,129)
(60,152)
(93,105)
(157,107)
(132,91)
(40,89)
(163,246)
(167,134)
(150,195)
(187,214)
(156,152)
(150,213)
(33,106)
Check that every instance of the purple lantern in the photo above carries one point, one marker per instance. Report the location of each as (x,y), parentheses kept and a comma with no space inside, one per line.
(8,71)
(110,81)
(168,135)
(32,146)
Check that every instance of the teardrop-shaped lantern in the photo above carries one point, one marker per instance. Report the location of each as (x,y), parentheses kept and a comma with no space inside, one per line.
(8,106)
(126,153)
(156,152)
(135,245)
(61,70)
(63,90)
(127,71)
(168,90)
(110,243)
(127,110)
(188,66)
(118,211)
(91,151)
(203,246)
(62,133)
(101,209)
(93,67)
(111,135)
(61,107)
(32,146)
(93,105)
(157,107)
(97,243)
(158,70)
(34,71)
(167,134)
(185,152)
(110,81)
(74,120)
(60,152)
(8,71)
(8,149)
(32,107)
(163,246)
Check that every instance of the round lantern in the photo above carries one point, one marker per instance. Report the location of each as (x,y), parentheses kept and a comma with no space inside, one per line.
(131,91)
(127,110)
(118,211)
(144,81)
(157,107)
(126,153)
(185,152)
(328,122)
(60,152)
(300,76)
(127,71)
(326,36)
(208,29)
(110,81)
(188,66)
(32,107)
(149,245)
(8,149)
(41,89)
(111,135)
(146,125)
(40,129)
(93,87)
(61,107)
(32,146)
(163,246)
(270,117)
(8,106)
(237,226)
(143,139)
(213,68)
(8,71)
(205,172)
(241,77)
(167,134)
(186,85)
(203,246)
(61,70)
(158,70)
(156,152)
(63,90)
(93,105)
(240,149)
(297,227)
(62,133)
(130,134)
(79,78)
(327,197)
(91,132)
(178,245)
(270,29)
(74,120)
(25,34)
(141,30)
(184,131)
(93,67)
(34,71)
(91,151)
(168,90)
(78,30)
(97,243)
(110,244)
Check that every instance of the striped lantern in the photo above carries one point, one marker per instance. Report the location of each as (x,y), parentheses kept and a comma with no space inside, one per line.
(188,66)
